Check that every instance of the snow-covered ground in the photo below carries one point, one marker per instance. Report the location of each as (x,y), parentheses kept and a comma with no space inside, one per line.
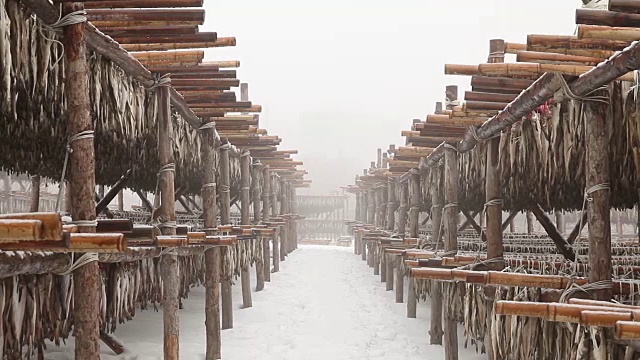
(324,303)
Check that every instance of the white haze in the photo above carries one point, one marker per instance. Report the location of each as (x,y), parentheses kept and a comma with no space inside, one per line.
(339,79)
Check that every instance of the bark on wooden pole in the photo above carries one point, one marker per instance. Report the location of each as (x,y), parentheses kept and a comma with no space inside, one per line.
(372,207)
(560,224)
(493,202)
(121,200)
(257,217)
(283,210)
(211,256)
(86,279)
(266,208)
(414,183)
(245,203)
(437,202)
(402,210)
(392,206)
(35,194)
(399,279)
(274,212)
(596,118)
(390,265)
(167,218)
(225,218)
(450,216)
(530,217)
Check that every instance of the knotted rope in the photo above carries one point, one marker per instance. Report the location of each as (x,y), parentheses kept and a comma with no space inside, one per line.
(83,135)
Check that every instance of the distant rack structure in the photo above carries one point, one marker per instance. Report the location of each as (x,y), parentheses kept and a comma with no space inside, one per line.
(103,96)
(555,132)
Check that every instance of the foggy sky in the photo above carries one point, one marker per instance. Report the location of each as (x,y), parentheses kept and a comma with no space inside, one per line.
(339,79)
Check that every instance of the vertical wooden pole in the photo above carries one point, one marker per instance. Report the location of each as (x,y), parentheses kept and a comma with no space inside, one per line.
(389,261)
(437,200)
(414,183)
(598,207)
(293,208)
(530,220)
(379,159)
(493,201)
(211,256)
(392,206)
(167,217)
(450,215)
(86,279)
(266,208)
(358,214)
(245,203)
(383,193)
(121,200)
(412,300)
(376,207)
(274,212)
(257,217)
(372,207)
(274,195)
(402,210)
(35,193)
(283,210)
(560,225)
(225,219)
(619,225)
(399,279)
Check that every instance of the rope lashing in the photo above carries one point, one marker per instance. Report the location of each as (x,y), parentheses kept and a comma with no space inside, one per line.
(451,103)
(167,225)
(588,198)
(72,18)
(83,260)
(451,147)
(209,125)
(225,188)
(208,185)
(574,288)
(449,205)
(83,135)
(493,202)
(159,81)
(566,90)
(170,167)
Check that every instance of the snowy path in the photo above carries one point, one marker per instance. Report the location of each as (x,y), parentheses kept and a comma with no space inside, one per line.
(323,304)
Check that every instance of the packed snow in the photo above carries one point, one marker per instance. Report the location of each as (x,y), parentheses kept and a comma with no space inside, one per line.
(325,303)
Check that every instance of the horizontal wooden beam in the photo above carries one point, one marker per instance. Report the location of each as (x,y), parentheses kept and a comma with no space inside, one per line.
(554,58)
(152,38)
(120,4)
(220,42)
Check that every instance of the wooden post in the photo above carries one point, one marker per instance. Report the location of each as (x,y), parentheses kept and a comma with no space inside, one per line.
(393,203)
(358,212)
(560,225)
(225,219)
(266,207)
(493,201)
(274,195)
(372,207)
(283,210)
(212,255)
(412,300)
(402,210)
(512,225)
(274,212)
(121,200)
(415,203)
(379,159)
(450,215)
(86,279)
(245,203)
(383,268)
(530,229)
(619,225)
(598,209)
(257,217)
(167,217)
(390,266)
(399,279)
(35,193)
(437,200)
